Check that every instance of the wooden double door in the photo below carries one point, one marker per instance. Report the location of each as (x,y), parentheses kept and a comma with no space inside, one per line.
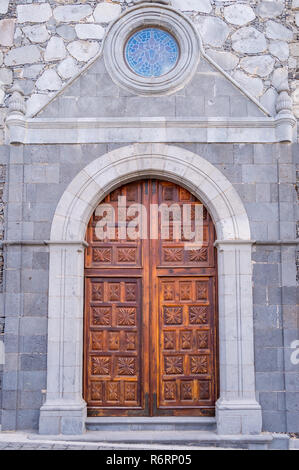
(150,312)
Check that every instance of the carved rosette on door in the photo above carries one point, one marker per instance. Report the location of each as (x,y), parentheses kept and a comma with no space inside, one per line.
(150,313)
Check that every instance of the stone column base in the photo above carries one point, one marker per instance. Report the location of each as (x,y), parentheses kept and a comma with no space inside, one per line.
(62,418)
(238,417)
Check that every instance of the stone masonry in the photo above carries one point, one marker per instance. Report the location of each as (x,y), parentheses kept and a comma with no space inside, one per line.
(255,171)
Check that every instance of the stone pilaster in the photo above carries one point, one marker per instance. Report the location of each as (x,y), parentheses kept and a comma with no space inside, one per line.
(64,411)
(237,410)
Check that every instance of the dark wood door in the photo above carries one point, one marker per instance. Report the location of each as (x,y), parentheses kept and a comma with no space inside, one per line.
(150,310)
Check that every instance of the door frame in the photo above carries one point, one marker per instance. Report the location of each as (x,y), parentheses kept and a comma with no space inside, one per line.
(149,269)
(237,410)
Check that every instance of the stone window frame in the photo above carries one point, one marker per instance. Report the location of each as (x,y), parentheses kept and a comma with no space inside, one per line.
(164,17)
(64,410)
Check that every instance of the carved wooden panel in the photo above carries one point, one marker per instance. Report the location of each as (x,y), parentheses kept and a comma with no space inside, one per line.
(113,342)
(172,241)
(186,338)
(113,248)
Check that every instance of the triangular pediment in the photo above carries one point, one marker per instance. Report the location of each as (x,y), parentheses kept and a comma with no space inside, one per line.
(211,93)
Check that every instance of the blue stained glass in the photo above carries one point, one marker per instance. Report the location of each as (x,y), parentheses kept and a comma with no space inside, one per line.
(152,52)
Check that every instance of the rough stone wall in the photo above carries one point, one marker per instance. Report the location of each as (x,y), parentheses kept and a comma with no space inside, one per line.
(45,43)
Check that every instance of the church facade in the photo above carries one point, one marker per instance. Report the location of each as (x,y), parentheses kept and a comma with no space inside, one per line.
(154,103)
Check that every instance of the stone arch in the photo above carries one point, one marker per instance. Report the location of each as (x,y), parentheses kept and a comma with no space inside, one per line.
(64,411)
(137,161)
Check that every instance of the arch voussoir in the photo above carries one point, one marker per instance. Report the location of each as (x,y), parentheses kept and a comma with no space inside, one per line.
(159,160)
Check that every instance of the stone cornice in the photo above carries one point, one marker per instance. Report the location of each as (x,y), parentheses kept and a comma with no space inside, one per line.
(84,243)
(22,130)
(218,243)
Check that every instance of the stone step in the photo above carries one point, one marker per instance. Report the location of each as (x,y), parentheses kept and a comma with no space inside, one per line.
(151,424)
(143,439)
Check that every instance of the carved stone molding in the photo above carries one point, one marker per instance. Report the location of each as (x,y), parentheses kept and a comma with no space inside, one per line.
(23,130)
(16,102)
(284,103)
(284,110)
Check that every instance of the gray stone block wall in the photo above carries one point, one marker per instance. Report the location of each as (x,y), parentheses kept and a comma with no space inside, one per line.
(269,338)
(3,167)
(263,175)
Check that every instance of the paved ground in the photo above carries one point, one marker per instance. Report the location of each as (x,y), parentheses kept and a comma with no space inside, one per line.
(28,441)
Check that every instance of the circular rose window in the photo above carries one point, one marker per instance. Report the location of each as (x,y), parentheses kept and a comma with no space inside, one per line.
(152,52)
(152,49)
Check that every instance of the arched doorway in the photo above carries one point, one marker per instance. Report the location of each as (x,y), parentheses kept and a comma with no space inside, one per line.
(64,411)
(150,345)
